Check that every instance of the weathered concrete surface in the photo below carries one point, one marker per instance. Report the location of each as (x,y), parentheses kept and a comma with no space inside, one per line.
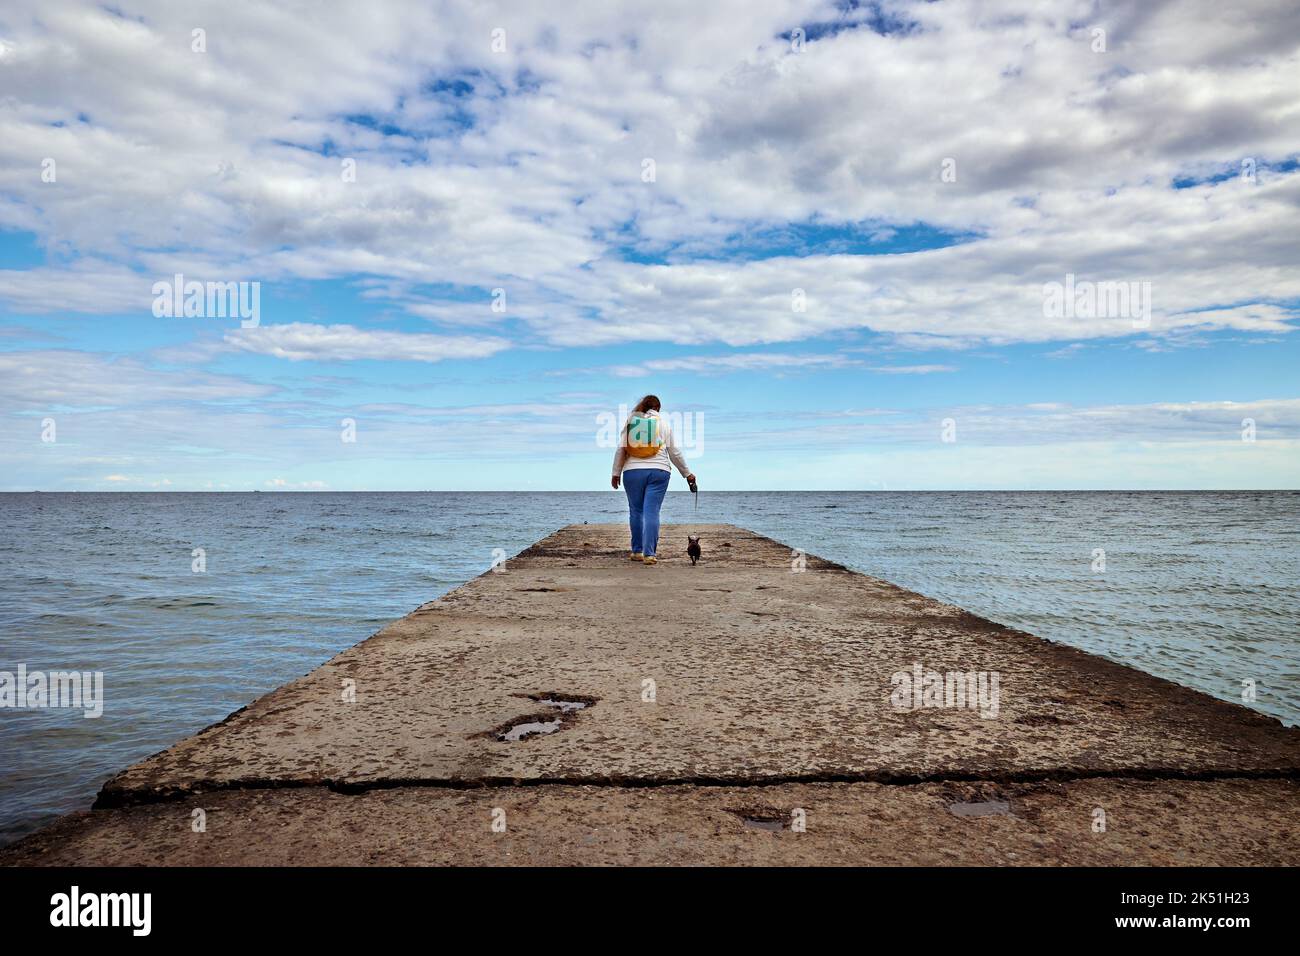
(762,676)
(1149,823)
(760,673)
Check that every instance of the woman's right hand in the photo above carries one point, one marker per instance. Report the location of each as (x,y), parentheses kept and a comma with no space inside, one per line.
(614,482)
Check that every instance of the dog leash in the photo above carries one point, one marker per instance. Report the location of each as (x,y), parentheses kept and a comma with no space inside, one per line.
(695,490)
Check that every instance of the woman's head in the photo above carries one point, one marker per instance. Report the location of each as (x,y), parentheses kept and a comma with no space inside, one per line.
(648,404)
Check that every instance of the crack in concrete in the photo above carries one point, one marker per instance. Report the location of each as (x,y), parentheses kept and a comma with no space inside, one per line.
(115,799)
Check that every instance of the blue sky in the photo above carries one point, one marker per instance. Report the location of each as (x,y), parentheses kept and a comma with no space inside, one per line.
(819,252)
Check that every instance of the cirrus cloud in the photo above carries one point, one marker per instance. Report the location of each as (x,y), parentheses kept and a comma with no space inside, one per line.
(306,341)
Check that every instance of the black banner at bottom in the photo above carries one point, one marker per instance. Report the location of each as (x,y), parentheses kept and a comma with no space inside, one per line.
(216,905)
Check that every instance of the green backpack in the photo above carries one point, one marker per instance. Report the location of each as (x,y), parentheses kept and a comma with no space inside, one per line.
(644,437)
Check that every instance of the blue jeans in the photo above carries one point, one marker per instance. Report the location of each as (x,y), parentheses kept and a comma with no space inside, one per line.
(645,489)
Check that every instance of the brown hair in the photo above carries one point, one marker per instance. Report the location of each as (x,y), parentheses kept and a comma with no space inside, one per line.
(649,403)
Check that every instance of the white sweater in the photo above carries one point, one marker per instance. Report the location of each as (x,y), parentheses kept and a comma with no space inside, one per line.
(664,459)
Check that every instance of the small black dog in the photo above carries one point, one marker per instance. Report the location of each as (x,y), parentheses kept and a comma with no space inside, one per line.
(693,549)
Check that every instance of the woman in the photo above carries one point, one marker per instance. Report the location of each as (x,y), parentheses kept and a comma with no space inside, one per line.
(646,453)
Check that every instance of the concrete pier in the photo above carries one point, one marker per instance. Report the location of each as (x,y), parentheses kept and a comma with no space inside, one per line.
(756,708)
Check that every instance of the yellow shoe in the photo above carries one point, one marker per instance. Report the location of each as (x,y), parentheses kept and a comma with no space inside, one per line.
(636,556)
(651,560)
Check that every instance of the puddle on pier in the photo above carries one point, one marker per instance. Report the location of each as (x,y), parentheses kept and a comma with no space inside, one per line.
(529,729)
(760,823)
(565,706)
(762,818)
(533,725)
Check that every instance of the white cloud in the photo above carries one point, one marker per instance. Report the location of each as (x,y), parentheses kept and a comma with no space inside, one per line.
(1049,423)
(303,341)
(737,362)
(87,286)
(765,362)
(912,369)
(1067,351)
(529,176)
(280,484)
(73,379)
